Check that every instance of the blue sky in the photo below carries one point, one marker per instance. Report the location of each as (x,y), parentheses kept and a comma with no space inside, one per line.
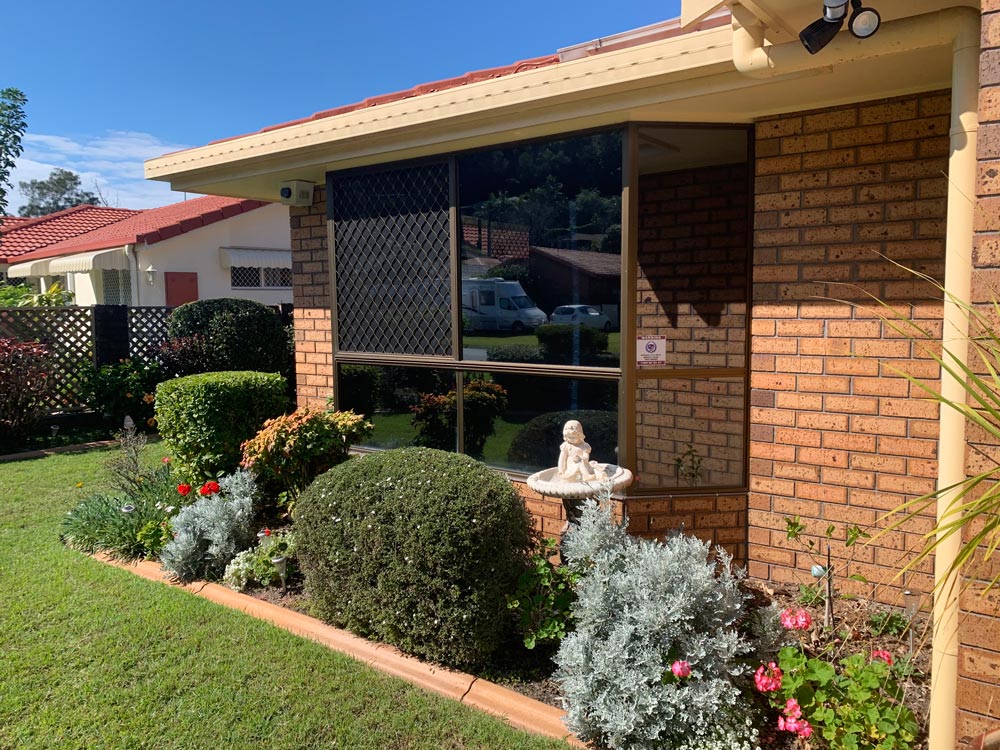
(111,83)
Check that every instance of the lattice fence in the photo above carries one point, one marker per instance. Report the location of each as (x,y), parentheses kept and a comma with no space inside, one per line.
(147,329)
(69,334)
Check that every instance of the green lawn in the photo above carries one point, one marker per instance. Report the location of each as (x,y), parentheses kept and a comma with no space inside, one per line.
(485,342)
(95,657)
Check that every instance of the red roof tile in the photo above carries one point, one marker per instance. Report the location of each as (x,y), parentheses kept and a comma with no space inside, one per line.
(29,235)
(151,226)
(653,32)
(424,88)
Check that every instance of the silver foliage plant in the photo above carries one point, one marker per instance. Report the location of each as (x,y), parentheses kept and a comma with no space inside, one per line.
(210,532)
(641,606)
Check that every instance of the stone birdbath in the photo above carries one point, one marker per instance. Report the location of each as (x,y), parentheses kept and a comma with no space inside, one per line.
(576,477)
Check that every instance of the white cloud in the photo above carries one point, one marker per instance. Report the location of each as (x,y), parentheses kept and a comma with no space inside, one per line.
(109,164)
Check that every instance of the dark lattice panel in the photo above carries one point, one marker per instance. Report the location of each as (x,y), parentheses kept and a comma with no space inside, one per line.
(391,239)
(147,329)
(68,332)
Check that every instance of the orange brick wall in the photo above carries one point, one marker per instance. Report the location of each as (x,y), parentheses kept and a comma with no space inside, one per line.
(837,437)
(691,288)
(979,625)
(311,292)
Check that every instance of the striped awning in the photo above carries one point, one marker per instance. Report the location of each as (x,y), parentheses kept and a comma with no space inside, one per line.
(107,260)
(32,269)
(248,257)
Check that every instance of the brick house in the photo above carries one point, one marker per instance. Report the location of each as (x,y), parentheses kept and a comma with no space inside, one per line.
(764,198)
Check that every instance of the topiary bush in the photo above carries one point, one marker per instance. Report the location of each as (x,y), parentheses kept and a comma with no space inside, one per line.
(415,547)
(206,418)
(566,343)
(24,386)
(292,450)
(541,437)
(240,334)
(657,649)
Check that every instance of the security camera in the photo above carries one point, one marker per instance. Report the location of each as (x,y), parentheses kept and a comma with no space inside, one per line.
(296,192)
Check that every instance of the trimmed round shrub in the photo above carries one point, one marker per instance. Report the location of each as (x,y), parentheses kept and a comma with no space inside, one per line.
(205,418)
(566,343)
(542,436)
(240,334)
(415,547)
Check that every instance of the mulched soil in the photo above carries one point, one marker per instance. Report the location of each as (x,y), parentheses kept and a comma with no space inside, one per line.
(528,672)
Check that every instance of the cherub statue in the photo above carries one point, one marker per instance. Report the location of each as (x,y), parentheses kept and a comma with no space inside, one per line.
(574,456)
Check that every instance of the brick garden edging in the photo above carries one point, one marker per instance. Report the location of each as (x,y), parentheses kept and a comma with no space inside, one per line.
(517,710)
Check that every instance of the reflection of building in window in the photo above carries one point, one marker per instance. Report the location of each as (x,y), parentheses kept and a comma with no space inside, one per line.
(248,277)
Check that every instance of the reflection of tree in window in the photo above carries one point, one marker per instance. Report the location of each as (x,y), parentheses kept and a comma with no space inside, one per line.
(556,190)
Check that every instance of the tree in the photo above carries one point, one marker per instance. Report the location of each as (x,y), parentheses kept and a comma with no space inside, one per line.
(12,126)
(61,190)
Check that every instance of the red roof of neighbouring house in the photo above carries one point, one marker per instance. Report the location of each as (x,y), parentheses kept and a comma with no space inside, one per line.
(587,261)
(151,226)
(20,236)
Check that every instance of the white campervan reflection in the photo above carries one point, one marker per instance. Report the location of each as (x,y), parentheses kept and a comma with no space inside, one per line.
(498,305)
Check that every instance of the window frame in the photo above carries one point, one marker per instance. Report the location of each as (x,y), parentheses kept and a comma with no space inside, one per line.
(626,374)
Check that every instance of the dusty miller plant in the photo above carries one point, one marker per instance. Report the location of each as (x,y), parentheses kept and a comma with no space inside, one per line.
(209,533)
(655,657)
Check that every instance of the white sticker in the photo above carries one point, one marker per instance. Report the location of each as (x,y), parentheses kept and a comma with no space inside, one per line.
(650,351)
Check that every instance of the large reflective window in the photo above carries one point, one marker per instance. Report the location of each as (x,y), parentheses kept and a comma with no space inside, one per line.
(515,421)
(541,251)
(694,208)
(690,432)
(407,405)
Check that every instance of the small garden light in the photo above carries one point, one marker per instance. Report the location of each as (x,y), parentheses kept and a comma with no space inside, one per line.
(281,565)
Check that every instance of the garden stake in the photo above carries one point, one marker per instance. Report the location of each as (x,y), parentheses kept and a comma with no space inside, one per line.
(828,609)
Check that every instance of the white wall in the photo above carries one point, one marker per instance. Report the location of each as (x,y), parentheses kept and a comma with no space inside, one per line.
(198,251)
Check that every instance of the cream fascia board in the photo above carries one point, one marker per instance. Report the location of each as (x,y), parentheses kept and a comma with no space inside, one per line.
(680,58)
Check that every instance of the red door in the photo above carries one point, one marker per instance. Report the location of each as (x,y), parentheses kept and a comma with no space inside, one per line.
(181,287)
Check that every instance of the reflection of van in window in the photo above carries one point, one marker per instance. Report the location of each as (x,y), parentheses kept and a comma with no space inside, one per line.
(498,305)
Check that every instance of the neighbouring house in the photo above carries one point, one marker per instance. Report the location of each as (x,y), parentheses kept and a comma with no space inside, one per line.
(20,236)
(196,249)
(763,196)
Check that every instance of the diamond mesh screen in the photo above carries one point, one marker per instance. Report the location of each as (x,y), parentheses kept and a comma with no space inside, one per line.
(244,276)
(280,277)
(117,287)
(391,239)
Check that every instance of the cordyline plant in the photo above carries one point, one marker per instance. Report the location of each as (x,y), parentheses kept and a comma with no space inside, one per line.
(974,503)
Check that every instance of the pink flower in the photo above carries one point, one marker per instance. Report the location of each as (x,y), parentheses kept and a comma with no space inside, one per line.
(681,669)
(805,729)
(792,709)
(796,619)
(883,655)
(768,679)
(166,459)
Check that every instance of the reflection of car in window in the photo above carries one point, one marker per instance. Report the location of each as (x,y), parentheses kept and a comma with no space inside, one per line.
(582,315)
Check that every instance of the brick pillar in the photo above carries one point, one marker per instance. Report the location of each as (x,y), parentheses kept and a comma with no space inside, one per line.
(311,292)
(110,334)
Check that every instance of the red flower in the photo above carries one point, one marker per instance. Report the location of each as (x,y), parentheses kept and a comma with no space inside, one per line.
(883,655)
(267,532)
(209,488)
(166,459)
(183,489)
